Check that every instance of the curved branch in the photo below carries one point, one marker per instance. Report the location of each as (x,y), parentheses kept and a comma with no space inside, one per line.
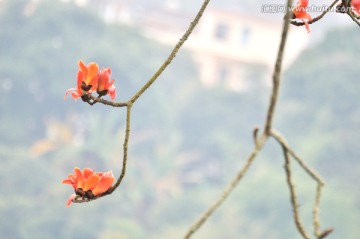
(125,149)
(172,54)
(320,184)
(259,143)
(316,18)
(124,161)
(91,100)
(276,135)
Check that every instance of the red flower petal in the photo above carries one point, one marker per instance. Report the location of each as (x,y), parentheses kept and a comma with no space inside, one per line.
(300,13)
(70,199)
(105,183)
(82,66)
(307,25)
(87,179)
(91,182)
(112,92)
(356,6)
(90,76)
(75,93)
(87,172)
(80,178)
(71,180)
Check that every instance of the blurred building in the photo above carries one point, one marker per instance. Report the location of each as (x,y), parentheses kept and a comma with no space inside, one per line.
(231,49)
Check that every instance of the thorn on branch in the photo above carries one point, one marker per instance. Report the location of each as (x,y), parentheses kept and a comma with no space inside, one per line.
(326,233)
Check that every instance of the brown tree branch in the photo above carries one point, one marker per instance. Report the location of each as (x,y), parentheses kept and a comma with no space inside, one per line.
(314,175)
(315,19)
(276,135)
(277,74)
(172,54)
(316,210)
(293,196)
(259,143)
(228,190)
(93,100)
(125,149)
(90,99)
(124,161)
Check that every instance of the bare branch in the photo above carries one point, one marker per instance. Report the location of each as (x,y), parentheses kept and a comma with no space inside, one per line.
(124,161)
(313,175)
(316,210)
(293,196)
(231,186)
(125,149)
(301,162)
(326,233)
(172,54)
(277,73)
(259,143)
(92,100)
(318,17)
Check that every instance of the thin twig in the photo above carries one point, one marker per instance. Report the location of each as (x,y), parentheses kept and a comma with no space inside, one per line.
(172,54)
(276,135)
(259,143)
(231,186)
(316,18)
(293,196)
(353,18)
(124,161)
(125,149)
(314,175)
(316,210)
(92,100)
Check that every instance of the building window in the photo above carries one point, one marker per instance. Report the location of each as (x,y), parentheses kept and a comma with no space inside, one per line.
(221,31)
(245,33)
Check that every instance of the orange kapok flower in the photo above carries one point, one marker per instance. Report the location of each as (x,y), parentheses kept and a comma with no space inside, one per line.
(88,184)
(104,85)
(87,78)
(355,4)
(89,75)
(300,12)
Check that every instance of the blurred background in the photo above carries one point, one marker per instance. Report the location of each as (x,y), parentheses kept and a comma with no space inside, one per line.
(191,131)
